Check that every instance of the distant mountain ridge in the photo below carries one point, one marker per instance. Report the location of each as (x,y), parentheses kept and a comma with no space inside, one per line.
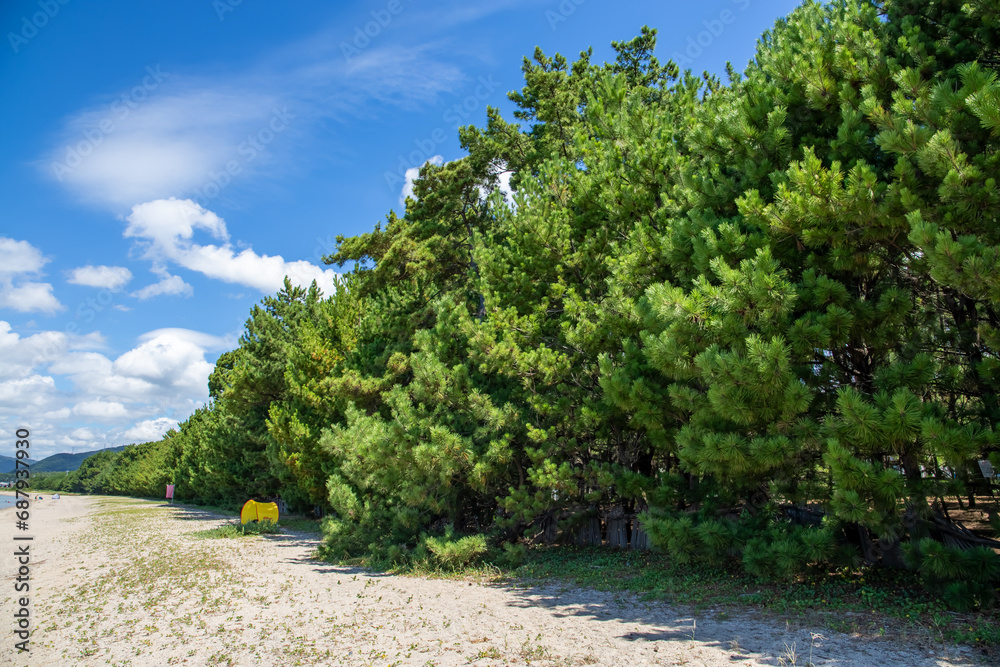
(56,463)
(7,464)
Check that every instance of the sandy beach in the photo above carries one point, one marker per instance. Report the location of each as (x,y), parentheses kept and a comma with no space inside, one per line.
(124,582)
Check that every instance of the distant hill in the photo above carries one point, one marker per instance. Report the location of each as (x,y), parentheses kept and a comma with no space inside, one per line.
(7,464)
(56,462)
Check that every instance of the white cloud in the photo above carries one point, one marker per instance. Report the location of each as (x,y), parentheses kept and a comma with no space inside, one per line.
(183,133)
(406,76)
(207,341)
(165,229)
(75,396)
(17,260)
(171,223)
(166,361)
(19,257)
(412,174)
(80,363)
(503,184)
(7,337)
(108,277)
(169,285)
(100,410)
(166,144)
(149,430)
(83,434)
(33,391)
(82,440)
(22,355)
(29,297)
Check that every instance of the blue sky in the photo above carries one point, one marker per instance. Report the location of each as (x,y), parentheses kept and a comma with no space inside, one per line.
(166,163)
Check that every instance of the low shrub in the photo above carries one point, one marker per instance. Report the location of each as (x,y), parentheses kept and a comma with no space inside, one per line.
(450,552)
(265,527)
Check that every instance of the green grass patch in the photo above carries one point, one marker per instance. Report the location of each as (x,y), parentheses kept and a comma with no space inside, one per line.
(229,530)
(299,524)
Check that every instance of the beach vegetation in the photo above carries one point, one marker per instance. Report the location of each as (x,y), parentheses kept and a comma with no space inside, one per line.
(755,321)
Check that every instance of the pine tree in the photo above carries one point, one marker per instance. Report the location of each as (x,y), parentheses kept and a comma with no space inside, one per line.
(762,314)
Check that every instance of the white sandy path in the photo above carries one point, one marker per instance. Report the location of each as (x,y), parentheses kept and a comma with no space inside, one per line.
(122,582)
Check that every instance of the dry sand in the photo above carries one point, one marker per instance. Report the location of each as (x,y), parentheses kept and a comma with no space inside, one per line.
(123,582)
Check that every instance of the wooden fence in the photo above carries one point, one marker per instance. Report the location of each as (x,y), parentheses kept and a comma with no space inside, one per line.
(614,529)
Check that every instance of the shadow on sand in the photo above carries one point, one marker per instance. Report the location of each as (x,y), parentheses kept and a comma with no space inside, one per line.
(748,636)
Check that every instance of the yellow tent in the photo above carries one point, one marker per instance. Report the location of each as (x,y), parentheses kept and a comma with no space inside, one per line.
(254,511)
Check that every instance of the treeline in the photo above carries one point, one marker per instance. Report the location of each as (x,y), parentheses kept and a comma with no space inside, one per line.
(762,315)
(134,470)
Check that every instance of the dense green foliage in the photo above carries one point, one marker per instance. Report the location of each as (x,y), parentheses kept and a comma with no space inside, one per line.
(762,316)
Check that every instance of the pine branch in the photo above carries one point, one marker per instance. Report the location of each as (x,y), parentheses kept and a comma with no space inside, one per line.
(965,537)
